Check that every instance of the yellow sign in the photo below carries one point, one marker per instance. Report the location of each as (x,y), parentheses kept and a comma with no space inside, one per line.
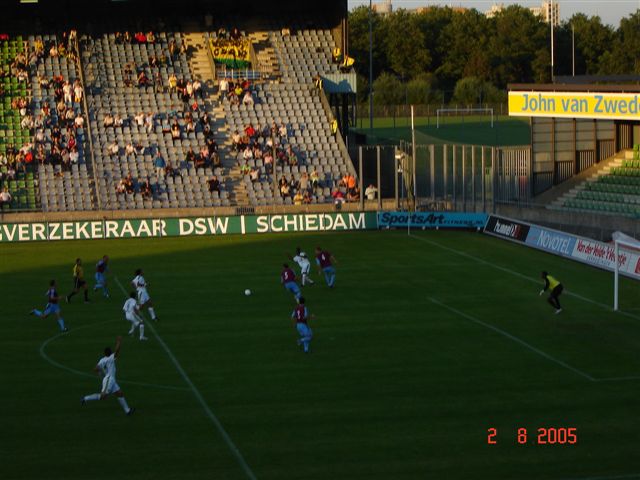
(233,53)
(612,106)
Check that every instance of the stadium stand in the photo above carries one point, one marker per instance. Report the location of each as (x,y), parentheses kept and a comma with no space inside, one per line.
(64,176)
(116,88)
(614,189)
(16,169)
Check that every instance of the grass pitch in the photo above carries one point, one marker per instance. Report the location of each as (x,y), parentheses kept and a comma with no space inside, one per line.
(426,343)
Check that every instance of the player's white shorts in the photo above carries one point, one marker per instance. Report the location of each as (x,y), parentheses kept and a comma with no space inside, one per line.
(143,297)
(306,269)
(109,385)
(133,318)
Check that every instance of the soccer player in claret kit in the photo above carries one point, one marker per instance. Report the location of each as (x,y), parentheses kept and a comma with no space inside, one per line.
(131,310)
(301,317)
(555,288)
(101,275)
(79,282)
(52,307)
(144,300)
(325,263)
(305,266)
(106,368)
(288,279)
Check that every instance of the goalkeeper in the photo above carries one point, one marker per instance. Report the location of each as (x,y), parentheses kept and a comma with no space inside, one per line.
(555,288)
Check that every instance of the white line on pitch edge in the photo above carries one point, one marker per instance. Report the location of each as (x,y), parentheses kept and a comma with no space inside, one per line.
(513,338)
(520,275)
(199,397)
(615,477)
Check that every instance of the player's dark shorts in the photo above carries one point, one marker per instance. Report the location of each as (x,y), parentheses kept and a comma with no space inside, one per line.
(557,291)
(78,284)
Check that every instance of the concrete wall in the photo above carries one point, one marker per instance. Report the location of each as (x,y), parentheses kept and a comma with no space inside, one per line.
(599,227)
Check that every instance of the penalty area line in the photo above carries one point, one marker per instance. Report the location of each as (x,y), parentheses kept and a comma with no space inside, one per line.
(513,338)
(223,433)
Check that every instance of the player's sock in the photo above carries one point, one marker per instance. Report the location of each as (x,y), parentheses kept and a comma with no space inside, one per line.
(105,292)
(90,398)
(37,312)
(131,330)
(141,331)
(305,345)
(61,324)
(123,404)
(152,312)
(70,296)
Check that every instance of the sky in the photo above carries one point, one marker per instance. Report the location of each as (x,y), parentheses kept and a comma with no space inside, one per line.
(610,11)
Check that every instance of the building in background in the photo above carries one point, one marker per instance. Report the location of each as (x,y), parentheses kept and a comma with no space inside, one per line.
(383,8)
(549,11)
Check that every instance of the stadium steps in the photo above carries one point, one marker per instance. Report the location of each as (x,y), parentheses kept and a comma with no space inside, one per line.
(601,189)
(200,66)
(265,54)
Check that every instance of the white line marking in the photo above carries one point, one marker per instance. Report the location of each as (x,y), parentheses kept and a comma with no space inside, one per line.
(223,433)
(515,339)
(520,275)
(531,279)
(51,361)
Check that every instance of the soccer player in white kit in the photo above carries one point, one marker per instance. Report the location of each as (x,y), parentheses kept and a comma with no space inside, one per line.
(131,310)
(144,300)
(106,368)
(305,266)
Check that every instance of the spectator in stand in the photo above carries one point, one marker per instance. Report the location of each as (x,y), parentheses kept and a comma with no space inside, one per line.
(139,119)
(175,130)
(268,162)
(247,153)
(352,186)
(247,99)
(254,174)
(66,90)
(201,161)
(215,160)
(190,156)
(159,164)
(173,83)
(304,182)
(139,148)
(353,195)
(117,121)
(145,189)
(370,192)
(74,156)
(285,189)
(143,80)
(214,184)
(121,188)
(77,92)
(78,122)
(128,184)
(298,198)
(223,87)
(307,198)
(292,159)
(197,88)
(113,149)
(169,170)
(235,34)
(128,75)
(5,198)
(108,121)
(338,196)
(148,121)
(129,150)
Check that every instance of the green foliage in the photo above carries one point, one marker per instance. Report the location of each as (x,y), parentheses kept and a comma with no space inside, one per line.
(388,90)
(445,46)
(474,90)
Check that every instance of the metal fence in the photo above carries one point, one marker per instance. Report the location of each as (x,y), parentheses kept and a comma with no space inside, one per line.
(468,178)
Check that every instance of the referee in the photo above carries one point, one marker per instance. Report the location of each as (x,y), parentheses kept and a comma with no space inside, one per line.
(79,282)
(555,289)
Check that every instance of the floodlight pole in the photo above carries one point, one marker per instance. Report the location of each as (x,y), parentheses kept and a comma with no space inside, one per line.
(370,65)
(413,154)
(551,19)
(573,50)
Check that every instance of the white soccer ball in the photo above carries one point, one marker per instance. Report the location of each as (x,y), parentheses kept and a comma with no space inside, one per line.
(247,292)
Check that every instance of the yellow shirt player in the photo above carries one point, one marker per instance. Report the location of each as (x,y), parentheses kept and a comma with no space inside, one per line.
(555,289)
(78,281)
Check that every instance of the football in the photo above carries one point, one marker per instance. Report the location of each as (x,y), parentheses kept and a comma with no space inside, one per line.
(247,292)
